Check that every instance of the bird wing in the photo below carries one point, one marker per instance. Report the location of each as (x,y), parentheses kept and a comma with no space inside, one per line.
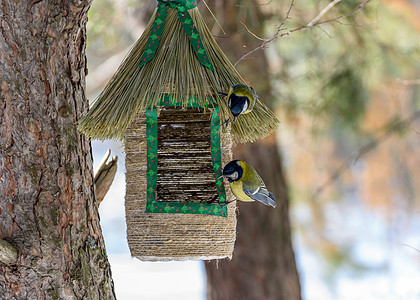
(262,195)
(254,187)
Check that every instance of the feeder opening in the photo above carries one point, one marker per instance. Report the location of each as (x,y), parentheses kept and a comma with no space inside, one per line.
(185,171)
(184,159)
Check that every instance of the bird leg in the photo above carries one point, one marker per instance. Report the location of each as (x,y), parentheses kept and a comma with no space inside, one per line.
(226,122)
(212,200)
(220,203)
(226,203)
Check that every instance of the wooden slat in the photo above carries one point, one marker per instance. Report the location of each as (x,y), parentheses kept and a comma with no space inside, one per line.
(185,172)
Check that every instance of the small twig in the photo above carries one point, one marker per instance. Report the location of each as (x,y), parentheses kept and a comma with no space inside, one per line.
(323,12)
(286,17)
(344,16)
(265,41)
(314,23)
(250,32)
(411,247)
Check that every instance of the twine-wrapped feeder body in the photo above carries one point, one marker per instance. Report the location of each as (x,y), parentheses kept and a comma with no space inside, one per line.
(178,224)
(163,102)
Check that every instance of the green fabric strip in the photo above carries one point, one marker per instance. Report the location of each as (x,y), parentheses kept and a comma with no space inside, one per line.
(152,153)
(216,153)
(194,38)
(154,206)
(179,4)
(153,41)
(187,208)
(182,7)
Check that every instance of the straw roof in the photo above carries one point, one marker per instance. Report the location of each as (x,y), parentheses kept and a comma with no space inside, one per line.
(174,70)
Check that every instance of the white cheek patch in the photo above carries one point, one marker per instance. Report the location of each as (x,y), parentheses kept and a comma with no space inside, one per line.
(245,107)
(234,176)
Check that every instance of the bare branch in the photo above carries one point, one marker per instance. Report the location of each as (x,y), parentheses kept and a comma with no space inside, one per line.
(265,41)
(286,17)
(323,12)
(411,247)
(253,34)
(314,23)
(360,6)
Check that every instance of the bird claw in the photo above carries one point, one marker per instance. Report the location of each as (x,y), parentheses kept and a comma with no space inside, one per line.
(223,204)
(226,122)
(212,200)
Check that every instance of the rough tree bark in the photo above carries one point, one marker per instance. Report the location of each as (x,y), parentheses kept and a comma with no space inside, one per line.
(263,264)
(48,211)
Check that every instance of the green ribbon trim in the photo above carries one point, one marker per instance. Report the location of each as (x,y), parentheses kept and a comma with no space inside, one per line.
(182,7)
(216,153)
(154,206)
(152,153)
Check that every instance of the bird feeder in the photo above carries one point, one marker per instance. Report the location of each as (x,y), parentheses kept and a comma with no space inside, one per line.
(163,102)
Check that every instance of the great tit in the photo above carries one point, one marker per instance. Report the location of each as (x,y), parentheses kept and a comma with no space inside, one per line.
(246,184)
(241,100)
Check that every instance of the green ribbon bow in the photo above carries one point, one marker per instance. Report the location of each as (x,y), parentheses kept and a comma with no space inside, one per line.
(182,7)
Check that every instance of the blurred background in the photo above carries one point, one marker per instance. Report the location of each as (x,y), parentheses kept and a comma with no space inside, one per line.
(343,78)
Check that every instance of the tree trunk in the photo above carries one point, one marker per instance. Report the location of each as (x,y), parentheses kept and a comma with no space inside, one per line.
(263,264)
(48,211)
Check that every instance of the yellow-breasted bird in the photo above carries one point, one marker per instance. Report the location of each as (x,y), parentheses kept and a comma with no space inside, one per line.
(241,99)
(246,184)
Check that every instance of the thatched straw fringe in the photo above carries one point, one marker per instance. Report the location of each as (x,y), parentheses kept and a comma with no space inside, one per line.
(174,70)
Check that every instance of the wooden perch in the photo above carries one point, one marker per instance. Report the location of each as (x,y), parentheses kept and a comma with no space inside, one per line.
(105,176)
(8,253)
